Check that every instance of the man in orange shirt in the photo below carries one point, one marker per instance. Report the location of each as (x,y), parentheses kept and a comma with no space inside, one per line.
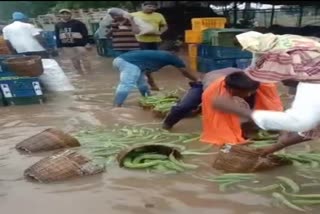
(220,128)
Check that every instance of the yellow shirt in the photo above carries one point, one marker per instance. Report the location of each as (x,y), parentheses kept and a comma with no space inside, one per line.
(156,20)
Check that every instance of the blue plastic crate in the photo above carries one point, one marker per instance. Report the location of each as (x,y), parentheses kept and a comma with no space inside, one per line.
(205,64)
(50,39)
(15,87)
(218,52)
(243,63)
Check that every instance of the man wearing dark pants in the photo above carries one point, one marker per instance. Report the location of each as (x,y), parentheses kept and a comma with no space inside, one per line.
(192,99)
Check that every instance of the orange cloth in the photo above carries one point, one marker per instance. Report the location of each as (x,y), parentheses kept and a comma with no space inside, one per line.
(220,128)
(3,46)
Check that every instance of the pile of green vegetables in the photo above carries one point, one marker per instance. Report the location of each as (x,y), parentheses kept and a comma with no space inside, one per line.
(156,163)
(262,139)
(162,102)
(284,191)
(107,143)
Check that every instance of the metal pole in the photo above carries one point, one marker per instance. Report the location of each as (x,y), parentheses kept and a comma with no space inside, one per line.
(272,15)
(235,13)
(300,15)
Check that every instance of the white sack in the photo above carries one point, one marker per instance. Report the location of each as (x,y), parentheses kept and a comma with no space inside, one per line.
(53,77)
(144,27)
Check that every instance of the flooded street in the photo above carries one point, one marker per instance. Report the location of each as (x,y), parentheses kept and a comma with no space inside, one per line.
(117,190)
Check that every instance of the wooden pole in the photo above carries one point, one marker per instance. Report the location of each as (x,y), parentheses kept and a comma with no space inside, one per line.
(272,15)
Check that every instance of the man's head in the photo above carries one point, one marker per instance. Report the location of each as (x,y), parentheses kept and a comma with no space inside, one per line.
(149,6)
(116,14)
(18,16)
(65,14)
(240,85)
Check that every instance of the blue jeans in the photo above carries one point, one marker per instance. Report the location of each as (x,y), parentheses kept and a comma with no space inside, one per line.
(190,102)
(130,76)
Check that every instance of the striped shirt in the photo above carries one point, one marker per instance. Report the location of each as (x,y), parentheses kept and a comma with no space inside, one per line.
(123,39)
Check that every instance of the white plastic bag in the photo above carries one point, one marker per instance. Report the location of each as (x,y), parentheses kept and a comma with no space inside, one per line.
(53,77)
(144,27)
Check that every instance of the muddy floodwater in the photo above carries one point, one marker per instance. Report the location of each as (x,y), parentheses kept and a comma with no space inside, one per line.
(118,190)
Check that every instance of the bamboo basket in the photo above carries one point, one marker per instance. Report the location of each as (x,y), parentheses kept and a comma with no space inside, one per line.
(148,148)
(242,159)
(49,139)
(25,65)
(61,166)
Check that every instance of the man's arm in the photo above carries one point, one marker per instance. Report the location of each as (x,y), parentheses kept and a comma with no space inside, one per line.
(285,140)
(11,48)
(134,27)
(8,43)
(151,82)
(163,27)
(84,32)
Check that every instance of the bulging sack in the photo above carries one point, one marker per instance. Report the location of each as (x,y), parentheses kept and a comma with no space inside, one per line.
(144,27)
(53,77)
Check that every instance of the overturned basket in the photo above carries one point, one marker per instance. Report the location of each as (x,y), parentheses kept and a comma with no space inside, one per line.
(49,139)
(241,158)
(25,65)
(148,148)
(61,166)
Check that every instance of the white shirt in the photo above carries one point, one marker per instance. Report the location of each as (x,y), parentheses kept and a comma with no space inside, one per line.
(21,36)
(304,114)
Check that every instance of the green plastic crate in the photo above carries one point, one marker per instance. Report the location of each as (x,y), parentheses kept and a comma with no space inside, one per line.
(221,37)
(24,100)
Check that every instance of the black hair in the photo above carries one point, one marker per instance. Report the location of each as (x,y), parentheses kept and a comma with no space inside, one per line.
(240,81)
(149,3)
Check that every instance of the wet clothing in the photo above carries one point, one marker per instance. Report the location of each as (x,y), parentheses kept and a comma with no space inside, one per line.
(220,128)
(72,33)
(192,99)
(151,60)
(22,37)
(133,65)
(302,117)
(130,77)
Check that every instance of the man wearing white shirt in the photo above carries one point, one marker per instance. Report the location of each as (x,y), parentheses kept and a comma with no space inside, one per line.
(23,38)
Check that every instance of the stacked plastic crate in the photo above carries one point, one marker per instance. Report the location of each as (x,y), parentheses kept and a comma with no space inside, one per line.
(16,90)
(218,50)
(193,37)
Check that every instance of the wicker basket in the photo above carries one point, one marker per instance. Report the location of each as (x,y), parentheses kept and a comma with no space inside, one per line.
(25,65)
(148,148)
(241,158)
(49,139)
(61,166)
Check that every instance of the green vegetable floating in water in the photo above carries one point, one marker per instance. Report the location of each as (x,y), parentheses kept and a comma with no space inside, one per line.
(286,202)
(290,183)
